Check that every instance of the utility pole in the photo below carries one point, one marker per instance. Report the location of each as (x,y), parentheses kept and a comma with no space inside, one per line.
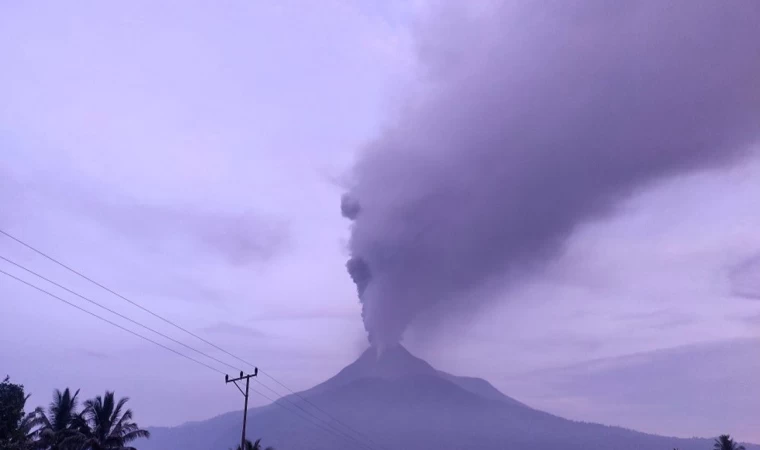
(247,379)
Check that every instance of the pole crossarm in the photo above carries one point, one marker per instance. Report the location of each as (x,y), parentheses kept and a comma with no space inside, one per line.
(247,379)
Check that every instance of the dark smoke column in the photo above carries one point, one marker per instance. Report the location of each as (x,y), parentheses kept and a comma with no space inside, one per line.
(535,118)
(357,267)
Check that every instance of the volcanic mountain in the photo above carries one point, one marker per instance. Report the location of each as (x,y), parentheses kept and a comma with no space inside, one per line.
(396,400)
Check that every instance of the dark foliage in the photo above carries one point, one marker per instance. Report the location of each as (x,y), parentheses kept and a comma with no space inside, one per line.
(724,442)
(103,424)
(256,445)
(12,401)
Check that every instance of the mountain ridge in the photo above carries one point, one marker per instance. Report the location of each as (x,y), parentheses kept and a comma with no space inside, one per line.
(399,400)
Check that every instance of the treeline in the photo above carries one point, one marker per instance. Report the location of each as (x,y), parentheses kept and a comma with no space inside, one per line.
(103,422)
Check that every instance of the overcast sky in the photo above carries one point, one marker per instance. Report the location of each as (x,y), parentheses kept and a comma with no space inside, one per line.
(190,157)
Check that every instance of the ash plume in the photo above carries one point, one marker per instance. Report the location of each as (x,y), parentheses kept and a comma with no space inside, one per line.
(533,119)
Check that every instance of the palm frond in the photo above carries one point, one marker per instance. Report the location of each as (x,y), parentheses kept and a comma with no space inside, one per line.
(35,419)
(112,442)
(107,423)
(44,420)
(136,434)
(116,413)
(90,403)
(124,420)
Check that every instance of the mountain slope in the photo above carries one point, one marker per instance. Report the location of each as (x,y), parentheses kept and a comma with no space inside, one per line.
(399,401)
(396,363)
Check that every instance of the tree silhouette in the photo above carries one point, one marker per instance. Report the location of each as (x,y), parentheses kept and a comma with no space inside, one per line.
(256,445)
(61,422)
(108,425)
(724,442)
(16,428)
(29,430)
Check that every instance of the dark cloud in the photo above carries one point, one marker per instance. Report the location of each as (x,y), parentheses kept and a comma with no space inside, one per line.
(534,119)
(305,314)
(751,320)
(91,354)
(555,341)
(657,320)
(745,278)
(185,288)
(349,207)
(693,381)
(233,329)
(238,238)
(11,194)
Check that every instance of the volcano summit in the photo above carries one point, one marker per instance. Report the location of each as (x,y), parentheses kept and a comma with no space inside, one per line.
(396,400)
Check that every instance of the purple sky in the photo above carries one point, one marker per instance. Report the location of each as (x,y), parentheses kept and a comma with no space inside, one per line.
(191,157)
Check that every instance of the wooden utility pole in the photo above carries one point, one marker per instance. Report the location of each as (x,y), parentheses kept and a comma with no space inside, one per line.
(247,379)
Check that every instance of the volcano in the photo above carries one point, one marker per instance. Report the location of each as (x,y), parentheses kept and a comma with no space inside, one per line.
(395,365)
(395,400)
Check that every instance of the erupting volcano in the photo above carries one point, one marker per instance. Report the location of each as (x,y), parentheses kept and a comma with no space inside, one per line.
(396,400)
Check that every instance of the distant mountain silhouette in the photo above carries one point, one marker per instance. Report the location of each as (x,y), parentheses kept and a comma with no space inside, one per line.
(398,401)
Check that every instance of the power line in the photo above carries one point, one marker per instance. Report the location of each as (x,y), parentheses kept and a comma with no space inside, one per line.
(20,280)
(108,321)
(304,418)
(316,407)
(316,424)
(342,433)
(116,313)
(76,272)
(50,258)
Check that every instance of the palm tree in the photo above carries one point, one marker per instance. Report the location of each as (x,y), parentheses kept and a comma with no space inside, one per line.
(16,427)
(724,442)
(29,427)
(28,430)
(254,445)
(108,425)
(61,422)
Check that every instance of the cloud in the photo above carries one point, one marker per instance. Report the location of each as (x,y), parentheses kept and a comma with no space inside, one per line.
(306,314)
(657,320)
(647,390)
(570,343)
(182,287)
(91,354)
(237,238)
(12,197)
(745,278)
(533,120)
(752,320)
(233,329)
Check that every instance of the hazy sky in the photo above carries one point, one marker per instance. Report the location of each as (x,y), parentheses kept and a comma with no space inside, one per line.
(191,157)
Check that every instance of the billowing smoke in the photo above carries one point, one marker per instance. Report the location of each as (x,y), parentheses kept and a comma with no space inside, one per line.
(533,119)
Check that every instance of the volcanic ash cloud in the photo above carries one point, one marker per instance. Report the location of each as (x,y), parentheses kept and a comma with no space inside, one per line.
(531,120)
